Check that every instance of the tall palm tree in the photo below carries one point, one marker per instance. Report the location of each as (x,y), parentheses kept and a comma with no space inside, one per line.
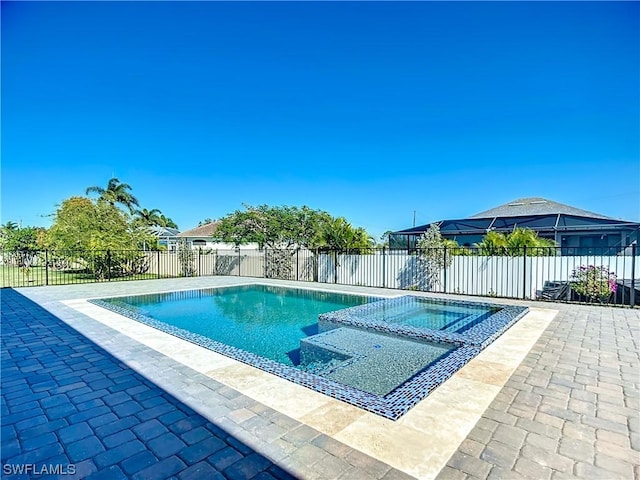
(116,192)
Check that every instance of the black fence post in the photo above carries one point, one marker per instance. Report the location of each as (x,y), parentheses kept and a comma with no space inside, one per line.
(524,273)
(569,271)
(264,275)
(46,267)
(239,260)
(384,267)
(109,265)
(298,264)
(444,286)
(632,296)
(199,261)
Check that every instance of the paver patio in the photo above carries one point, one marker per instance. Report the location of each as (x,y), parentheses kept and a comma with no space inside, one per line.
(570,410)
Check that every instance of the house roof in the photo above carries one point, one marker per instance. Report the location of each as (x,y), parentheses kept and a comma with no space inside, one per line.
(206,230)
(164,231)
(535,206)
(535,213)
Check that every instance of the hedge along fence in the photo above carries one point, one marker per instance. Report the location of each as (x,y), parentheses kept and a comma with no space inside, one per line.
(510,276)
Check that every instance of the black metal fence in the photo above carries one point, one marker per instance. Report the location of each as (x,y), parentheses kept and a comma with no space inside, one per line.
(36,268)
(552,274)
(48,267)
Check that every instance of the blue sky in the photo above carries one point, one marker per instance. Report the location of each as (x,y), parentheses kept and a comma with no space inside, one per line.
(369,111)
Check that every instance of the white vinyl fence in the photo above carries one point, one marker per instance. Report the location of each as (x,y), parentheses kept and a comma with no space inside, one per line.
(519,276)
(246,263)
(501,276)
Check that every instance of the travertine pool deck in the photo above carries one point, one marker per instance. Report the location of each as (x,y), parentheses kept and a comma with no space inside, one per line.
(554,397)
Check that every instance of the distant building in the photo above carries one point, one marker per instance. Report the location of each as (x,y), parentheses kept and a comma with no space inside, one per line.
(203,237)
(167,236)
(569,226)
(200,236)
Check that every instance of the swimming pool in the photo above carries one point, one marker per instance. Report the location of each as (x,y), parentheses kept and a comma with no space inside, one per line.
(262,319)
(381,354)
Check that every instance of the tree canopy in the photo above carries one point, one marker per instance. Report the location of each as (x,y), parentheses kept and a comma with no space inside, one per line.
(339,234)
(14,238)
(120,193)
(82,224)
(116,192)
(19,245)
(152,218)
(149,218)
(166,222)
(273,227)
(287,227)
(100,237)
(9,226)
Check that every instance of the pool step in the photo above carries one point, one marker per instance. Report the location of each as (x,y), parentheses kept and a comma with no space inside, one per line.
(367,360)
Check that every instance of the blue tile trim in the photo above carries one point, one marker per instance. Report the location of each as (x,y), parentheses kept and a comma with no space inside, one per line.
(394,404)
(480,334)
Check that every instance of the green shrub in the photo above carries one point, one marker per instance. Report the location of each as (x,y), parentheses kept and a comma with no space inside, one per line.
(595,283)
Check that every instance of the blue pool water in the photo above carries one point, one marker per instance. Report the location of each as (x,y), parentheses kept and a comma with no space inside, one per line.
(383,355)
(429,314)
(266,320)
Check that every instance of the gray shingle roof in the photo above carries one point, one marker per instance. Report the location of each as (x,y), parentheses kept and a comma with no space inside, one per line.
(535,206)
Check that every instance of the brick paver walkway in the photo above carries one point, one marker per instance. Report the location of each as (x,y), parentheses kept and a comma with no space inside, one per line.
(571,409)
(66,401)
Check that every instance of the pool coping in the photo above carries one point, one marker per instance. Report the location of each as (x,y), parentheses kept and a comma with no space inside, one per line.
(397,402)
(419,444)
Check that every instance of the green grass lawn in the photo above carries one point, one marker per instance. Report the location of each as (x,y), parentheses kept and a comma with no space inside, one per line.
(11,276)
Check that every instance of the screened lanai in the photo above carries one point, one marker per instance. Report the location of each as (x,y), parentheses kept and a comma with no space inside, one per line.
(570,227)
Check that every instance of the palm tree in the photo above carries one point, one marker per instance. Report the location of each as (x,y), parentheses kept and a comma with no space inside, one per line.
(166,222)
(148,217)
(525,237)
(339,234)
(10,226)
(116,192)
(493,243)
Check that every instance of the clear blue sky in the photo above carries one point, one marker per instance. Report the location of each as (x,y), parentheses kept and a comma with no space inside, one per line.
(366,110)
